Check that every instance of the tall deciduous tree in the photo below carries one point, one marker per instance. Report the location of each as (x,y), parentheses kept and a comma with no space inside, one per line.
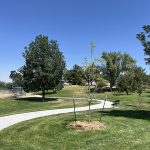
(144,37)
(115,63)
(44,65)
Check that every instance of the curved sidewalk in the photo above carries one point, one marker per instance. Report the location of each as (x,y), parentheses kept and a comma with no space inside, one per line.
(7,121)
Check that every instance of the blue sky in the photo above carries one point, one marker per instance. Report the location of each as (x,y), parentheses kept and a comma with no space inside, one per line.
(111,24)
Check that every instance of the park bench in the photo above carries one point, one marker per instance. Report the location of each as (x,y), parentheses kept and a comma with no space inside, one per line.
(115,103)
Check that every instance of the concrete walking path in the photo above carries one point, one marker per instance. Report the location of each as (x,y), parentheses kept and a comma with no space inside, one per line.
(7,121)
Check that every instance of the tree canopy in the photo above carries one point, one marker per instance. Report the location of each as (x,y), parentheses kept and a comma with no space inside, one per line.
(44,65)
(132,81)
(74,76)
(144,37)
(115,63)
(16,78)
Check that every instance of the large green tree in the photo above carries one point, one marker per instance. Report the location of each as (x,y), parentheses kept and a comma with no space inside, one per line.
(144,37)
(74,76)
(44,65)
(132,81)
(139,79)
(124,83)
(115,63)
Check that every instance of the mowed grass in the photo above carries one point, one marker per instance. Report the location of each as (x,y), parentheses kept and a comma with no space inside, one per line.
(127,127)
(12,106)
(122,132)
(125,100)
(69,91)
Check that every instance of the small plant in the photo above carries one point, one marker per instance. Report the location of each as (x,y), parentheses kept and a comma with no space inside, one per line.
(89,69)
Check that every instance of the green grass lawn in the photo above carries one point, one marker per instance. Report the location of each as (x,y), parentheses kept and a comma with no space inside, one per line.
(12,106)
(127,127)
(124,131)
(125,100)
(69,91)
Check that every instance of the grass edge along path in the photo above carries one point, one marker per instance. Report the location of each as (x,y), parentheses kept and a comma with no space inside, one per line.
(51,133)
(7,121)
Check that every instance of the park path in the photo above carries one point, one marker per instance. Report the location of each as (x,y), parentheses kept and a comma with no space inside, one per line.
(7,121)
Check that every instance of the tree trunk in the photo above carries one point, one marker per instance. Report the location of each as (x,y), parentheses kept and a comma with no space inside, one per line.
(43,95)
(110,88)
(91,83)
(127,92)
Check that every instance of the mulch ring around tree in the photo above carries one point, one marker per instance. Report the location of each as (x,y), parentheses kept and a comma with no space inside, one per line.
(85,125)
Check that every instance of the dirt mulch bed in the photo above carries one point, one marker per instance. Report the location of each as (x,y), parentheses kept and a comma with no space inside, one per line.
(84,125)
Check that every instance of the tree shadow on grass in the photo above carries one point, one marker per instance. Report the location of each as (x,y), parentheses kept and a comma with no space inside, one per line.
(120,94)
(147,91)
(50,92)
(135,114)
(147,95)
(37,99)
